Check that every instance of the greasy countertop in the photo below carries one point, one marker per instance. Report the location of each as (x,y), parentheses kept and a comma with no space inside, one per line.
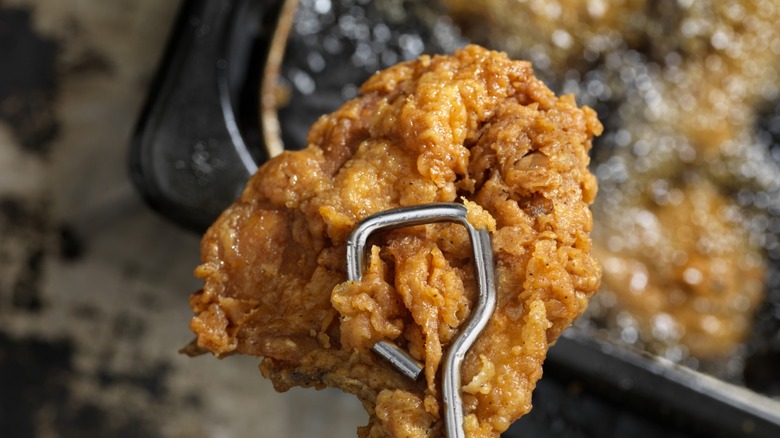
(94,285)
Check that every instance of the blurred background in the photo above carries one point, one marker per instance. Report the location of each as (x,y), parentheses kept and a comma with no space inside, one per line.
(94,284)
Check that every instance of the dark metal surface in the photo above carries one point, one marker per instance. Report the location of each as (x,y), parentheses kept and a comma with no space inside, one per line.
(671,396)
(196,142)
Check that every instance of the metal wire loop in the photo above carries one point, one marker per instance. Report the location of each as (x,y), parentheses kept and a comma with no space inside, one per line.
(477,320)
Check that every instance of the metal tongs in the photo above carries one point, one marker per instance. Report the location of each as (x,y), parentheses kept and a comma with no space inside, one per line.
(477,320)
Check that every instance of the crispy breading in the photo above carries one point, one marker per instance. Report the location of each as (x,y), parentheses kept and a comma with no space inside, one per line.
(474,126)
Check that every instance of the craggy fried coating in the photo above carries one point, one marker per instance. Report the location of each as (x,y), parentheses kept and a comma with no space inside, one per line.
(474,126)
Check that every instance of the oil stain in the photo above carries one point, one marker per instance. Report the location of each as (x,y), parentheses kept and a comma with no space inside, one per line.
(23,224)
(38,373)
(27,90)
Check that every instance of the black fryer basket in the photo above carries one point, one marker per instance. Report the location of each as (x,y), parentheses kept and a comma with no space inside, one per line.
(199,139)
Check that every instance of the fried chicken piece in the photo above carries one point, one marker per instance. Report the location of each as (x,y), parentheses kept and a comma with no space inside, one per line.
(557,35)
(474,126)
(685,271)
(684,83)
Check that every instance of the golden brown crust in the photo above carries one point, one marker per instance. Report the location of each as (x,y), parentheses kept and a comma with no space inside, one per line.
(473,125)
